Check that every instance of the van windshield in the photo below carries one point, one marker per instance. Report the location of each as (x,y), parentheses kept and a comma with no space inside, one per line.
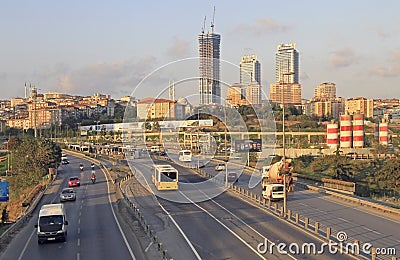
(277,188)
(51,220)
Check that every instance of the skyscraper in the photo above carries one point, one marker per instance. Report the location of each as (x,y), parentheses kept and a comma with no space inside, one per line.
(287,63)
(250,70)
(209,67)
(287,89)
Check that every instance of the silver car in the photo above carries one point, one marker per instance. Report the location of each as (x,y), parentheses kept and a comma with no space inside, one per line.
(67,194)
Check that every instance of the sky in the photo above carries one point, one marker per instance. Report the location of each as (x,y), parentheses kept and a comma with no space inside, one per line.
(135,47)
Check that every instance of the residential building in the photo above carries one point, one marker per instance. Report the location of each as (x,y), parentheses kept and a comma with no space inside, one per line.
(253,93)
(360,105)
(155,108)
(324,107)
(250,70)
(326,90)
(288,93)
(234,95)
(209,68)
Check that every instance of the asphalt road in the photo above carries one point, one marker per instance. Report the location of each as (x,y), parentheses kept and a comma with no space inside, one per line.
(226,227)
(92,230)
(361,223)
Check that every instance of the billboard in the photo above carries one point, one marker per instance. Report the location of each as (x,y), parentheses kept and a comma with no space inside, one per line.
(250,145)
(4,194)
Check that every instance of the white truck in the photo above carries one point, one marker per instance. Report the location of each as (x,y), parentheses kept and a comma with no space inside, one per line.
(52,223)
(272,179)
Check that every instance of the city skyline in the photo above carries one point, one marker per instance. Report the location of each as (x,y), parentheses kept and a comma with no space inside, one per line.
(84,48)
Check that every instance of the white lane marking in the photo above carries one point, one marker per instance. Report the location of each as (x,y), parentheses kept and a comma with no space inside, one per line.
(79,230)
(173,220)
(344,220)
(148,247)
(79,242)
(26,245)
(115,217)
(78,256)
(227,228)
(248,226)
(358,208)
(79,221)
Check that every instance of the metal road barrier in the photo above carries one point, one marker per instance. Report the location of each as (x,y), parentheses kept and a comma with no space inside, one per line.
(139,216)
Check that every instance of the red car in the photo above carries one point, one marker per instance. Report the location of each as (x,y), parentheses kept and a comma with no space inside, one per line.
(74,181)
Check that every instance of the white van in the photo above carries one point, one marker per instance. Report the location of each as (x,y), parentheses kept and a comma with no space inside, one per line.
(52,223)
(155,149)
(273,191)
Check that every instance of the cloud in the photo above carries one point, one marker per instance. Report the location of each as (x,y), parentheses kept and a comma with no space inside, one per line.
(103,77)
(261,26)
(393,67)
(3,75)
(179,49)
(342,58)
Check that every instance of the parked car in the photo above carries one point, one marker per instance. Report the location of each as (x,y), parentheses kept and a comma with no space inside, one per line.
(220,167)
(74,181)
(67,194)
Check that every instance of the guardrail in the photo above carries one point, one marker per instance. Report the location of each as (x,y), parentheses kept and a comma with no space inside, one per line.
(139,216)
(355,200)
(308,224)
(326,189)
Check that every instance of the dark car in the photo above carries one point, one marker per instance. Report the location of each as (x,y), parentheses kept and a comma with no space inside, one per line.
(64,161)
(74,181)
(232,177)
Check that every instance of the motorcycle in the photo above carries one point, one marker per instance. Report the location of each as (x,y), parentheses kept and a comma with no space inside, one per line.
(93,177)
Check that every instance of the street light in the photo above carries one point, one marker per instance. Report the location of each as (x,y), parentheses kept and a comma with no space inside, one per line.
(198,137)
(283,140)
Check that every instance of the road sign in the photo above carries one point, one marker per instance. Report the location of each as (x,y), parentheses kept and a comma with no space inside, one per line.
(4,195)
(251,145)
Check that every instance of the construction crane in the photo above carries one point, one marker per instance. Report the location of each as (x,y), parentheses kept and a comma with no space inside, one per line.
(204,25)
(212,22)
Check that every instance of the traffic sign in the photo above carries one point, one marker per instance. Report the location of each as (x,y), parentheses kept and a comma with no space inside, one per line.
(4,194)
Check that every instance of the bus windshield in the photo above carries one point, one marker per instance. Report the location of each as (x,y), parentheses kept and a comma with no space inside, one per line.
(168,176)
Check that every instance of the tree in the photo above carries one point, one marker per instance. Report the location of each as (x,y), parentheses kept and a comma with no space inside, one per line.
(4,215)
(343,169)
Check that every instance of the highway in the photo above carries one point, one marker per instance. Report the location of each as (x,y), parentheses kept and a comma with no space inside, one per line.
(364,224)
(223,227)
(93,232)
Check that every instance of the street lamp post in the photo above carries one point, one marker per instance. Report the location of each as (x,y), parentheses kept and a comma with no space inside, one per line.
(283,140)
(198,137)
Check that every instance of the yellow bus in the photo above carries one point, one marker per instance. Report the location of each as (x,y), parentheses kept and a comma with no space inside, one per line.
(165,177)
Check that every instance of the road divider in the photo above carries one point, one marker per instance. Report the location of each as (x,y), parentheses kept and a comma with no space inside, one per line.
(141,219)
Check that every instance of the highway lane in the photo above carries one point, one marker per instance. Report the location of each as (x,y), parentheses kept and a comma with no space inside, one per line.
(358,222)
(227,227)
(92,229)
